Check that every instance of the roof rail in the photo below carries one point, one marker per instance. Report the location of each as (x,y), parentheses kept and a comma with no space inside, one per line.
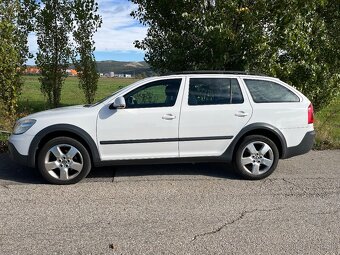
(218,72)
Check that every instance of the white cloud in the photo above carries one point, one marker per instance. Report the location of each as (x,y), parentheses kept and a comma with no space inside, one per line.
(118,30)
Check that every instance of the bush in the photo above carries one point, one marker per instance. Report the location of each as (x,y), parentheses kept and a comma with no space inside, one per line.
(327,125)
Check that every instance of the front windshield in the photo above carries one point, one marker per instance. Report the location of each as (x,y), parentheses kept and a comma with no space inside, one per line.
(103,99)
(107,97)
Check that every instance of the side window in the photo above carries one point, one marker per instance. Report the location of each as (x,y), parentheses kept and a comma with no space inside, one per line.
(161,93)
(214,91)
(269,92)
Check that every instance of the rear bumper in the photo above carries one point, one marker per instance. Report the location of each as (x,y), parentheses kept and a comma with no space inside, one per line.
(305,146)
(16,156)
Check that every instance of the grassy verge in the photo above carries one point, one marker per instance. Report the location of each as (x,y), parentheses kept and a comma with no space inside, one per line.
(327,125)
(3,142)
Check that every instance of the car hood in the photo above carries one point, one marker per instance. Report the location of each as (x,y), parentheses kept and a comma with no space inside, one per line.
(58,111)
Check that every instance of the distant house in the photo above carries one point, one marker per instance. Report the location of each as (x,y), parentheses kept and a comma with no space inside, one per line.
(32,70)
(71,72)
(115,75)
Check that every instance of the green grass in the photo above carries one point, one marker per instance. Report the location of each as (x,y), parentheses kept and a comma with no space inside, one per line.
(327,125)
(3,142)
(32,100)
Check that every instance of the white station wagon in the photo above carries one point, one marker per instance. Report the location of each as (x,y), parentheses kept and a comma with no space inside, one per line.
(249,120)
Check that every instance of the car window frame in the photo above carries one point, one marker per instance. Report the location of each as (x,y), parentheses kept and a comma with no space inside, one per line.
(276,81)
(217,77)
(147,84)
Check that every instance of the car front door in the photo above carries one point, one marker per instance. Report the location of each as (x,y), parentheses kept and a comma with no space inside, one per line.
(148,126)
(214,111)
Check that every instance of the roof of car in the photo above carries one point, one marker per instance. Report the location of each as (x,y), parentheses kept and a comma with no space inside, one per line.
(219,72)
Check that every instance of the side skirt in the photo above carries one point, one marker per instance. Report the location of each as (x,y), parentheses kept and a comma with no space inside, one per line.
(160,161)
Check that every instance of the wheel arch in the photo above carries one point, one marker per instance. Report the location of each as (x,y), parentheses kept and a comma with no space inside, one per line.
(65,130)
(263,129)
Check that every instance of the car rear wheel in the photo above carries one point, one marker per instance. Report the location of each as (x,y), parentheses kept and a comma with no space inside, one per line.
(64,160)
(256,157)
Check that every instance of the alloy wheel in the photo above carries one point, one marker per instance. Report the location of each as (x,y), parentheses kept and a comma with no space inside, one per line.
(63,162)
(257,158)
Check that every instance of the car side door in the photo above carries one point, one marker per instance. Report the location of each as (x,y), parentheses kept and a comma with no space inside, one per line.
(147,127)
(214,110)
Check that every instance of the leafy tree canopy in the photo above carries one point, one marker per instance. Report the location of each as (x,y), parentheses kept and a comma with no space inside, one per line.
(87,21)
(295,40)
(15,24)
(65,29)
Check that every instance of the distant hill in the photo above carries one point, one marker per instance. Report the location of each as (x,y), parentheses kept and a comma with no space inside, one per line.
(120,67)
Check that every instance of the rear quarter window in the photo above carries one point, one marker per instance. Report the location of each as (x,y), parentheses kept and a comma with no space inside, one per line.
(269,92)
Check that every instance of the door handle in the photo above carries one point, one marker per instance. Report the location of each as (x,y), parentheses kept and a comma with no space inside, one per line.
(168,116)
(241,114)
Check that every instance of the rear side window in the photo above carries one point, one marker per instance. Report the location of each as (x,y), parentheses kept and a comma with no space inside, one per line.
(270,92)
(214,91)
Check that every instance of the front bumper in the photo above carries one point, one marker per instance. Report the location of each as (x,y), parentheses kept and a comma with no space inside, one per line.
(305,146)
(16,156)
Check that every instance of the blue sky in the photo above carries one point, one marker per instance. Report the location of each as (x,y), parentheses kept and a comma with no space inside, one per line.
(114,40)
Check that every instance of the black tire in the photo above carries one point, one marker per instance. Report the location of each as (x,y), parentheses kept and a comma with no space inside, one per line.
(78,166)
(260,165)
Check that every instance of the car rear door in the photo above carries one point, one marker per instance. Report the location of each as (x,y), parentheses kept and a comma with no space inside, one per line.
(214,110)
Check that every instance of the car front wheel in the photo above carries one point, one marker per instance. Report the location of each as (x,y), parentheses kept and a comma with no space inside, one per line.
(256,157)
(64,160)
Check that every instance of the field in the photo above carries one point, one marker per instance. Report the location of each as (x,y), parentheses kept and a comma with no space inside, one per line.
(31,100)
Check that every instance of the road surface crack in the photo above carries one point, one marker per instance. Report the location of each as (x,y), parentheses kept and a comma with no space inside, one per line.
(4,186)
(240,217)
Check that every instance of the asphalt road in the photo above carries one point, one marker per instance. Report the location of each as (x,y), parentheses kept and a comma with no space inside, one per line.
(175,209)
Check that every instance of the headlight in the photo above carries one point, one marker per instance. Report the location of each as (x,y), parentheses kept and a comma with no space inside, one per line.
(23,125)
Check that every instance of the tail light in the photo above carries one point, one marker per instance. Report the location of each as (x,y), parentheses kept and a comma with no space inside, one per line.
(310,114)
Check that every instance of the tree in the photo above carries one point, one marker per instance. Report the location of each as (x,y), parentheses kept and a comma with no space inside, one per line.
(297,41)
(14,29)
(87,22)
(53,26)
(192,35)
(301,49)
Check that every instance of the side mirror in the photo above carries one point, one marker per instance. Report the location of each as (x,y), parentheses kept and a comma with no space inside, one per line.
(119,103)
